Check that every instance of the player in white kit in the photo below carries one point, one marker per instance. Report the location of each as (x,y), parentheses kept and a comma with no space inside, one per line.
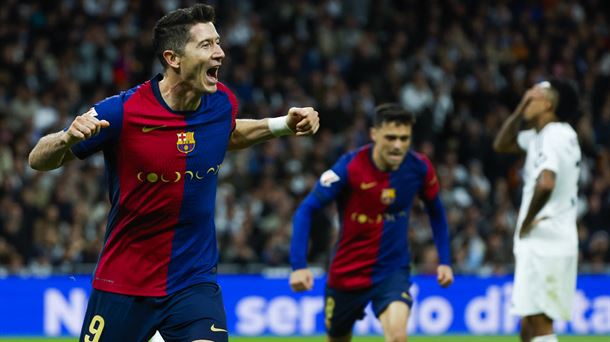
(545,243)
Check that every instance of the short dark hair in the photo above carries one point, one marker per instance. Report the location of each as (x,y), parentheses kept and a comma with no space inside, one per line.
(392,112)
(567,108)
(172,32)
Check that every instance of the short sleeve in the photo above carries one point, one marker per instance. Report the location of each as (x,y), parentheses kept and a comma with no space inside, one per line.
(525,137)
(111,110)
(547,152)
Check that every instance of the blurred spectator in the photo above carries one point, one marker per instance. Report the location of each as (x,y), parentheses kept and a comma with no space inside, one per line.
(459,66)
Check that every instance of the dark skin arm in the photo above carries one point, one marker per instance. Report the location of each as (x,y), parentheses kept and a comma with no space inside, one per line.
(506,139)
(542,193)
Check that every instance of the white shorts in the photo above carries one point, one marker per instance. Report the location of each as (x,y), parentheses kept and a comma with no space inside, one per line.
(544,285)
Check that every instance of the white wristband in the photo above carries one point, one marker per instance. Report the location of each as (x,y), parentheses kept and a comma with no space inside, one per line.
(279,126)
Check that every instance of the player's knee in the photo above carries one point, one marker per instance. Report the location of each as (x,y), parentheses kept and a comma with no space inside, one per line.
(396,334)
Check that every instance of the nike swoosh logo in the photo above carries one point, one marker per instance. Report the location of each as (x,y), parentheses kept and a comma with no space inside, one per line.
(147,129)
(366,186)
(214,329)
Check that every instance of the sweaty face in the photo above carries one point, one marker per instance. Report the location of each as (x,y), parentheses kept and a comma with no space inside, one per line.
(202,58)
(392,141)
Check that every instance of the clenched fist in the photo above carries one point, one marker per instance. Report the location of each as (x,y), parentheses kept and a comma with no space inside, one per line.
(303,121)
(84,127)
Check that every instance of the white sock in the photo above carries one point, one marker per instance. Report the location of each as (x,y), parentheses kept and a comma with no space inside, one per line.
(545,338)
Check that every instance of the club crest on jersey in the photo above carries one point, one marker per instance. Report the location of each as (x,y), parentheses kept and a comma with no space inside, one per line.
(388,196)
(186,142)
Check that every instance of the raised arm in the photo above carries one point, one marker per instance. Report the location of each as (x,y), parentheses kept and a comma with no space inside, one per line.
(53,150)
(299,121)
(506,139)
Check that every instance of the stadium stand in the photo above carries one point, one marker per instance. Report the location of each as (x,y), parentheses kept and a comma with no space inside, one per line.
(460,66)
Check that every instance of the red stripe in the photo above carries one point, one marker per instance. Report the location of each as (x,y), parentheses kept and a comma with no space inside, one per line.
(431,187)
(359,244)
(137,253)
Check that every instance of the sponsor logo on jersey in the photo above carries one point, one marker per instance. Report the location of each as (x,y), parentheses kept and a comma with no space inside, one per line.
(388,196)
(186,142)
(363,218)
(176,176)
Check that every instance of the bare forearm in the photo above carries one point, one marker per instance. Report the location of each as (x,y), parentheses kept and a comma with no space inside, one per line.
(51,152)
(506,139)
(249,132)
(298,121)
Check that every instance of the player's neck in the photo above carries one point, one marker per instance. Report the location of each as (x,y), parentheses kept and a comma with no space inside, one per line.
(179,95)
(380,164)
(544,119)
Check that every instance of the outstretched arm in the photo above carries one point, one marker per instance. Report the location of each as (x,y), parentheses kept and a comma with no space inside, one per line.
(506,139)
(53,150)
(299,121)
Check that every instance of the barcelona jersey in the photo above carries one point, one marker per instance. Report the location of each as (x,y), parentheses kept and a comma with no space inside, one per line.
(162,171)
(374,208)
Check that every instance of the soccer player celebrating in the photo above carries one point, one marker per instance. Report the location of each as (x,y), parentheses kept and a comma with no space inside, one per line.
(545,244)
(374,187)
(164,142)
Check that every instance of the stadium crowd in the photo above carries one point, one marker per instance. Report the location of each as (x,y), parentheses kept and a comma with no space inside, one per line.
(459,66)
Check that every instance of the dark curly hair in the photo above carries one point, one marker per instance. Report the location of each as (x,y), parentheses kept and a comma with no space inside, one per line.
(567,108)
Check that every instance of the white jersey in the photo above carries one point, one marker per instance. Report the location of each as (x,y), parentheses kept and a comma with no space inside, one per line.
(554,148)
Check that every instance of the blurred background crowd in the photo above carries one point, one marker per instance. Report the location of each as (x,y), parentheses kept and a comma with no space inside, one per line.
(459,66)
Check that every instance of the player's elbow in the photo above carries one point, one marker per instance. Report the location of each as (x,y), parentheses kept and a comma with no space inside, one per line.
(497,146)
(34,163)
(502,147)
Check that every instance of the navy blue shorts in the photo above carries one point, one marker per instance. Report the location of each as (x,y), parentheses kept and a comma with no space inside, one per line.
(195,313)
(343,308)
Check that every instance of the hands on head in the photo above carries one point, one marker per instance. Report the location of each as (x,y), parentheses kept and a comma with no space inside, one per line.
(303,121)
(84,127)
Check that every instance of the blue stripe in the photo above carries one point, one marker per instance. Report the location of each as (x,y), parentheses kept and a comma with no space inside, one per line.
(394,251)
(194,248)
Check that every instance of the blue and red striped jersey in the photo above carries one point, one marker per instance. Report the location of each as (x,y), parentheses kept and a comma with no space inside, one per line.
(374,208)
(162,171)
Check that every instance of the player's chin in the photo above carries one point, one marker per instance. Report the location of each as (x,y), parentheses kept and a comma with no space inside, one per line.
(210,88)
(395,160)
(210,84)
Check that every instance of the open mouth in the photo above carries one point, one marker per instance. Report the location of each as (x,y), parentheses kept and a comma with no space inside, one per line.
(212,74)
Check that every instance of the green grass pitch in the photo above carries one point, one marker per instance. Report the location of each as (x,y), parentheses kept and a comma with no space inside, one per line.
(359,339)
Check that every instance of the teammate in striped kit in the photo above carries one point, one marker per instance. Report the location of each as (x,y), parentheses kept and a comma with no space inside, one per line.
(164,142)
(374,188)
